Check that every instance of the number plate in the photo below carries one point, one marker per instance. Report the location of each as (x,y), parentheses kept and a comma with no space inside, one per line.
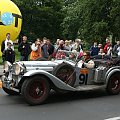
(84,71)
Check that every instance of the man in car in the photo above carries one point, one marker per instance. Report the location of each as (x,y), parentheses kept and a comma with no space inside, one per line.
(87,62)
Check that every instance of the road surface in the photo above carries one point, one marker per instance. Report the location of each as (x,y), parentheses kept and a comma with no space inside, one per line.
(95,105)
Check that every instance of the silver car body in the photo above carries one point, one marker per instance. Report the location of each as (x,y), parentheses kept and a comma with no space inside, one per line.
(95,78)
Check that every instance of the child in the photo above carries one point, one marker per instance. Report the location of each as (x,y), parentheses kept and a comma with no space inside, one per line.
(9,54)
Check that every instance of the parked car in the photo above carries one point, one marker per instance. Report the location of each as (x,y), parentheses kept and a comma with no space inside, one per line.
(35,79)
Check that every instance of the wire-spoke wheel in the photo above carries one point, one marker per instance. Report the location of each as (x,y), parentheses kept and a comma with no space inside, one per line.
(35,90)
(113,86)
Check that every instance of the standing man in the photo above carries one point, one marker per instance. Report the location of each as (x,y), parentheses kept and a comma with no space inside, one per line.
(24,49)
(50,48)
(4,43)
(115,48)
(94,49)
(44,48)
(106,45)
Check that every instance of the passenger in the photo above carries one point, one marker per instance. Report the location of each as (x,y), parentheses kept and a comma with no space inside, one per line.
(73,55)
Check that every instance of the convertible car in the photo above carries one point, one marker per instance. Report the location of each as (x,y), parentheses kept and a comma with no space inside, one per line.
(34,79)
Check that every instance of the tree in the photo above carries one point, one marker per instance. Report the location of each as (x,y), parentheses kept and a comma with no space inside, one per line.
(41,18)
(92,19)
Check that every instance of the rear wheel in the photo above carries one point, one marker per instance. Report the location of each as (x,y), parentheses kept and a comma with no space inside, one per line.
(35,90)
(10,92)
(113,86)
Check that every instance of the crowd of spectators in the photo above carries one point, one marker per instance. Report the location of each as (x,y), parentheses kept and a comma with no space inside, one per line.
(44,49)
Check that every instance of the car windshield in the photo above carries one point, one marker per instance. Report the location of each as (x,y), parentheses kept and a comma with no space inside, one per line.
(68,55)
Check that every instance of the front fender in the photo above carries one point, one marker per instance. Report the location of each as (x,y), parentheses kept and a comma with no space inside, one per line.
(56,81)
(111,73)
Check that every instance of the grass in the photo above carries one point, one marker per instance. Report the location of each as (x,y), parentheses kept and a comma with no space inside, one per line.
(17,55)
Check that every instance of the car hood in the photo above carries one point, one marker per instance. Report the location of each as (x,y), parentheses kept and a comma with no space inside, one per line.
(43,65)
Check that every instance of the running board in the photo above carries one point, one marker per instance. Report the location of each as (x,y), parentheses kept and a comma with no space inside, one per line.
(89,87)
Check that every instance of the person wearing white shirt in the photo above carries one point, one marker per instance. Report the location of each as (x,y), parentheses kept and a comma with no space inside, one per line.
(118,49)
(4,43)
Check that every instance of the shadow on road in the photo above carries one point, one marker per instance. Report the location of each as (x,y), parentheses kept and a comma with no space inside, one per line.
(56,98)
(75,96)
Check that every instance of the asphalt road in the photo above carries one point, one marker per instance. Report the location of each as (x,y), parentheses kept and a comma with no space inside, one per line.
(95,105)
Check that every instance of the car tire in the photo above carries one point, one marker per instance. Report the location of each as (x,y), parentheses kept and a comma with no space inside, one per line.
(35,90)
(66,73)
(10,92)
(113,86)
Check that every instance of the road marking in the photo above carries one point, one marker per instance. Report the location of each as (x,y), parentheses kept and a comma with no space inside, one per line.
(115,118)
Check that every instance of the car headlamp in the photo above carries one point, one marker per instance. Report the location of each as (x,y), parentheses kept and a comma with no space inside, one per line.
(7,66)
(19,68)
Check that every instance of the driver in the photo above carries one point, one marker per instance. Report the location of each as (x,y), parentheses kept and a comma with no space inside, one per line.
(87,62)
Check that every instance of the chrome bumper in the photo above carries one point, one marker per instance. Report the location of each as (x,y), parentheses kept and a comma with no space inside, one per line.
(8,83)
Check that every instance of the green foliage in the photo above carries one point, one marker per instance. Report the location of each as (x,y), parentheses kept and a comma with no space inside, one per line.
(87,19)
(41,18)
(92,19)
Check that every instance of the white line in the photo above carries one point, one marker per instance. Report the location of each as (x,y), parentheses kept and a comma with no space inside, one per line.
(115,118)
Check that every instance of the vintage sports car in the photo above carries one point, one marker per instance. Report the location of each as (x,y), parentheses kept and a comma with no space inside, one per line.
(34,79)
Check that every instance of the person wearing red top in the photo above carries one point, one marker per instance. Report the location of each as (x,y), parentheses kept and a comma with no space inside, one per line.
(106,45)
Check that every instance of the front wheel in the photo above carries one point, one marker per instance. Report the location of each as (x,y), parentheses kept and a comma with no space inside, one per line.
(113,86)
(35,90)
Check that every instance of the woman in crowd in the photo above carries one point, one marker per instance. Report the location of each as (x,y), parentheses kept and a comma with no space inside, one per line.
(36,50)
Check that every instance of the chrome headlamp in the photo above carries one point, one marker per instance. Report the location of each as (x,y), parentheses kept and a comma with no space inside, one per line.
(7,66)
(19,68)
